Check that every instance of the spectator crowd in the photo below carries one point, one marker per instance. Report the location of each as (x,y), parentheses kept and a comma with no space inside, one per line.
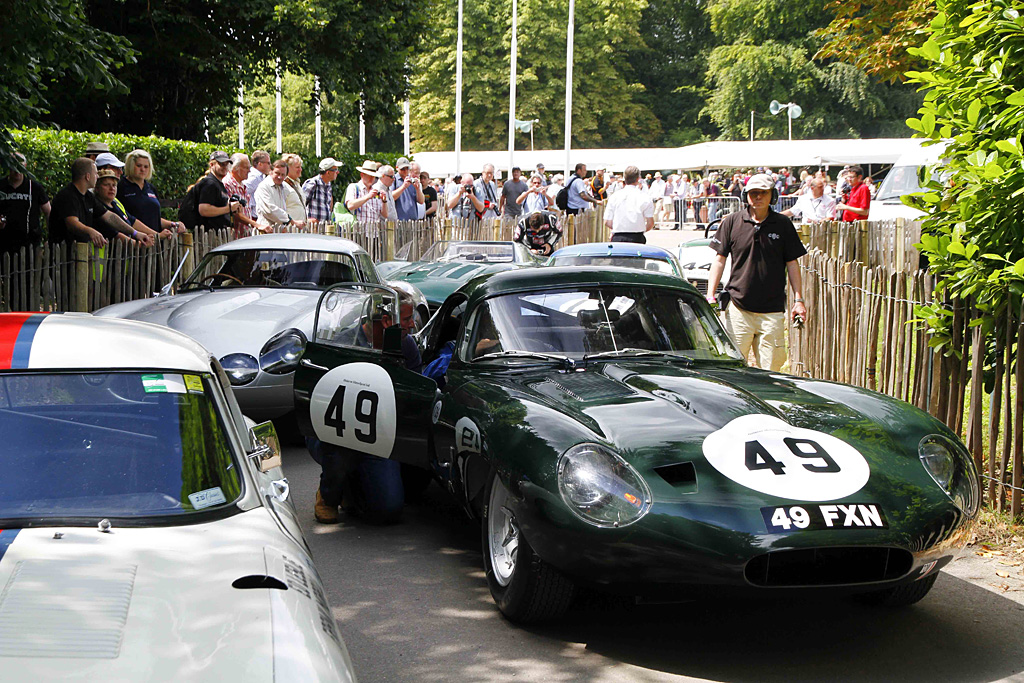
(110,199)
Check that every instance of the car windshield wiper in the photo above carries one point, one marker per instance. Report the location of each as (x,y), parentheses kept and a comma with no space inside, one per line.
(623,352)
(197,283)
(568,362)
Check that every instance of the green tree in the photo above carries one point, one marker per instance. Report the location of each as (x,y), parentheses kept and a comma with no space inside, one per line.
(606,110)
(193,54)
(975,99)
(671,68)
(45,40)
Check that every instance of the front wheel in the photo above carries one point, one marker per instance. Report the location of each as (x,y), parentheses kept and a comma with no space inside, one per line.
(525,588)
(900,596)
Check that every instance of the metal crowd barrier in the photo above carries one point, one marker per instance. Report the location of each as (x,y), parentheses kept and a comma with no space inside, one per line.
(703,210)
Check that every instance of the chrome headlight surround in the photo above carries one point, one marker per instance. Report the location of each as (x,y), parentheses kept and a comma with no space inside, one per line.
(281,354)
(241,368)
(952,468)
(600,487)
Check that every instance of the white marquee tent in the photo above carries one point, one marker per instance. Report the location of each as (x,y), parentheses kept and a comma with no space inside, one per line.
(712,155)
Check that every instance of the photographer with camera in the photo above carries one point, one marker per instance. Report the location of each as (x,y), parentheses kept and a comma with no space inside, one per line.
(462,199)
(243,221)
(215,207)
(363,199)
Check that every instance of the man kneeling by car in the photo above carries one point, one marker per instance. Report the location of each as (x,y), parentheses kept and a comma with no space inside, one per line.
(365,485)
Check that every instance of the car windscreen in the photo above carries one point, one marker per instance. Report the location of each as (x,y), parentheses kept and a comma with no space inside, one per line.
(112,444)
(598,320)
(618,261)
(473,252)
(273,268)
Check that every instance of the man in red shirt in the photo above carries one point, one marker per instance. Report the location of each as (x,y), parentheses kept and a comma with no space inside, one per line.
(856,207)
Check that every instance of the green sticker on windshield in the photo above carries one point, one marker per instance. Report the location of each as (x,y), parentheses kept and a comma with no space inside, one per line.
(163,384)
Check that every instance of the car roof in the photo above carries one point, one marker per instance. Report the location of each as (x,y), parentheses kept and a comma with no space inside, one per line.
(293,241)
(567,276)
(615,249)
(61,341)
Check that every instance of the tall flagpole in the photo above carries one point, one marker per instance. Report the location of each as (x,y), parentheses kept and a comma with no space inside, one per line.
(316,87)
(362,129)
(405,128)
(277,100)
(458,97)
(568,85)
(241,117)
(512,90)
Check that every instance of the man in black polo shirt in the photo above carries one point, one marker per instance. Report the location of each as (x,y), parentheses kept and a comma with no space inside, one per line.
(76,214)
(21,201)
(214,208)
(764,247)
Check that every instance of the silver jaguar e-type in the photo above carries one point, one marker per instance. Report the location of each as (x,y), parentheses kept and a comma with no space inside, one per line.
(251,303)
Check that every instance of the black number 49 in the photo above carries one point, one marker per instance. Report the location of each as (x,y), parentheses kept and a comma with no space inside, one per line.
(365,412)
(757,457)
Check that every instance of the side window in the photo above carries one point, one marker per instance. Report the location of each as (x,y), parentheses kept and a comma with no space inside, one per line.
(349,317)
(367,269)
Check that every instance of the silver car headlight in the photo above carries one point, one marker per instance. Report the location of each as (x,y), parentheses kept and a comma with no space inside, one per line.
(952,469)
(281,354)
(600,487)
(241,368)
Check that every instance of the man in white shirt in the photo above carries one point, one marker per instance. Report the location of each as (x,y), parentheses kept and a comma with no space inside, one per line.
(487,192)
(630,211)
(385,187)
(657,188)
(555,186)
(814,206)
(272,198)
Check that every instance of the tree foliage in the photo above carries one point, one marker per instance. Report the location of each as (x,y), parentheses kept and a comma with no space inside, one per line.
(975,98)
(43,41)
(875,35)
(606,111)
(193,55)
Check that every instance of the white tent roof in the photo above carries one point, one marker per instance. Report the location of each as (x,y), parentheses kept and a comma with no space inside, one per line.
(774,153)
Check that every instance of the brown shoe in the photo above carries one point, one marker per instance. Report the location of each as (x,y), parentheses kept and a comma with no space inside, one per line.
(324,513)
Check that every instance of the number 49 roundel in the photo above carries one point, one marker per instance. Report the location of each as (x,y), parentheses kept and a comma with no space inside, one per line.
(768,455)
(353,405)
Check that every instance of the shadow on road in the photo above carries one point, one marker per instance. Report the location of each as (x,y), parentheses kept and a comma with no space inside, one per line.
(413,605)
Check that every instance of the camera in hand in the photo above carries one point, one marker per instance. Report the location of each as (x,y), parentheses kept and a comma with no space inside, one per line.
(469,189)
(236,198)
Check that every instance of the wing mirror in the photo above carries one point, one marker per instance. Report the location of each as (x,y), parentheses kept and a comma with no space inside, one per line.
(267,447)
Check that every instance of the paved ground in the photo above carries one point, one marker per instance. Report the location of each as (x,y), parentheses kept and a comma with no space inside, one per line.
(412,605)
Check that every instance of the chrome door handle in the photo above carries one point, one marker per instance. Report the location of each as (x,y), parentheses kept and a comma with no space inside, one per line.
(281,489)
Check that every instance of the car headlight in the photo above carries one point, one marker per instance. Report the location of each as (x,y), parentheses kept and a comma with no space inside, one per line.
(241,368)
(281,354)
(952,469)
(600,487)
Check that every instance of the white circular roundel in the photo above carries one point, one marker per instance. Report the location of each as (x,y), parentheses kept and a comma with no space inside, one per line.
(768,455)
(353,406)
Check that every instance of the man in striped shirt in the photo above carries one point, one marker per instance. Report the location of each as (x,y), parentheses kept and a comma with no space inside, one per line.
(319,192)
(362,199)
(243,220)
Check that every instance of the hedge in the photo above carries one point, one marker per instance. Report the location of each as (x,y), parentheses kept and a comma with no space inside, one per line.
(177,163)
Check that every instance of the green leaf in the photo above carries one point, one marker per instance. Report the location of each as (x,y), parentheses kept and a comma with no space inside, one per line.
(1016,99)
(930,50)
(972,112)
(1018,268)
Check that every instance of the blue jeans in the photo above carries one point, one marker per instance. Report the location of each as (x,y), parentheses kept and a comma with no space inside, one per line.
(370,486)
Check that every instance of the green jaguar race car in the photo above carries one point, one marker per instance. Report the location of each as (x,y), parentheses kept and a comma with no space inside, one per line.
(606,432)
(449,264)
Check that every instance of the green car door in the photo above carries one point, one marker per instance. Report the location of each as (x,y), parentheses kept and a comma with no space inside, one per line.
(352,388)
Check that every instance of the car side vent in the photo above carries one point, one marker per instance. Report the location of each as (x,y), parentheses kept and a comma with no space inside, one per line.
(828,566)
(259,581)
(680,474)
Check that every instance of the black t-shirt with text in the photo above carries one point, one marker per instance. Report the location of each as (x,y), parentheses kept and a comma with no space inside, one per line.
(213,192)
(85,207)
(21,207)
(759,253)
(429,197)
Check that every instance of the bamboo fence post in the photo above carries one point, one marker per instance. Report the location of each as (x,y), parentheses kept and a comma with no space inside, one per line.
(974,437)
(1007,438)
(81,293)
(1018,424)
(389,240)
(899,240)
(190,261)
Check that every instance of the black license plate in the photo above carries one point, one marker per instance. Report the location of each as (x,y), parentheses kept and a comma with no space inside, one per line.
(821,517)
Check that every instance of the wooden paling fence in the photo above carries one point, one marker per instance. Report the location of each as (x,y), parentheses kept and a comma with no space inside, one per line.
(874,243)
(862,330)
(80,277)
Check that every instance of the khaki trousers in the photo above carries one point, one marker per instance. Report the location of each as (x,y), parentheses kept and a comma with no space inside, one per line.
(766,330)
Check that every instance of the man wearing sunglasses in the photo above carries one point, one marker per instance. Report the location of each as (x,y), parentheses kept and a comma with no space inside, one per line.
(764,247)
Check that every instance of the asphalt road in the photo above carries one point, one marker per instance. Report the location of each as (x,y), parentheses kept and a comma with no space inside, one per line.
(412,604)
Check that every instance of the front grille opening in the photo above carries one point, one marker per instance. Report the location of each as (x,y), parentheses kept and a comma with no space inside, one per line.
(828,566)
(681,474)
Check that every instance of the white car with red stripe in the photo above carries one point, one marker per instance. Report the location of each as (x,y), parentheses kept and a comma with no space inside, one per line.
(146,531)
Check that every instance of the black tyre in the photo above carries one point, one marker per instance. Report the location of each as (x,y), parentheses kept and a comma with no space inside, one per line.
(900,596)
(525,588)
